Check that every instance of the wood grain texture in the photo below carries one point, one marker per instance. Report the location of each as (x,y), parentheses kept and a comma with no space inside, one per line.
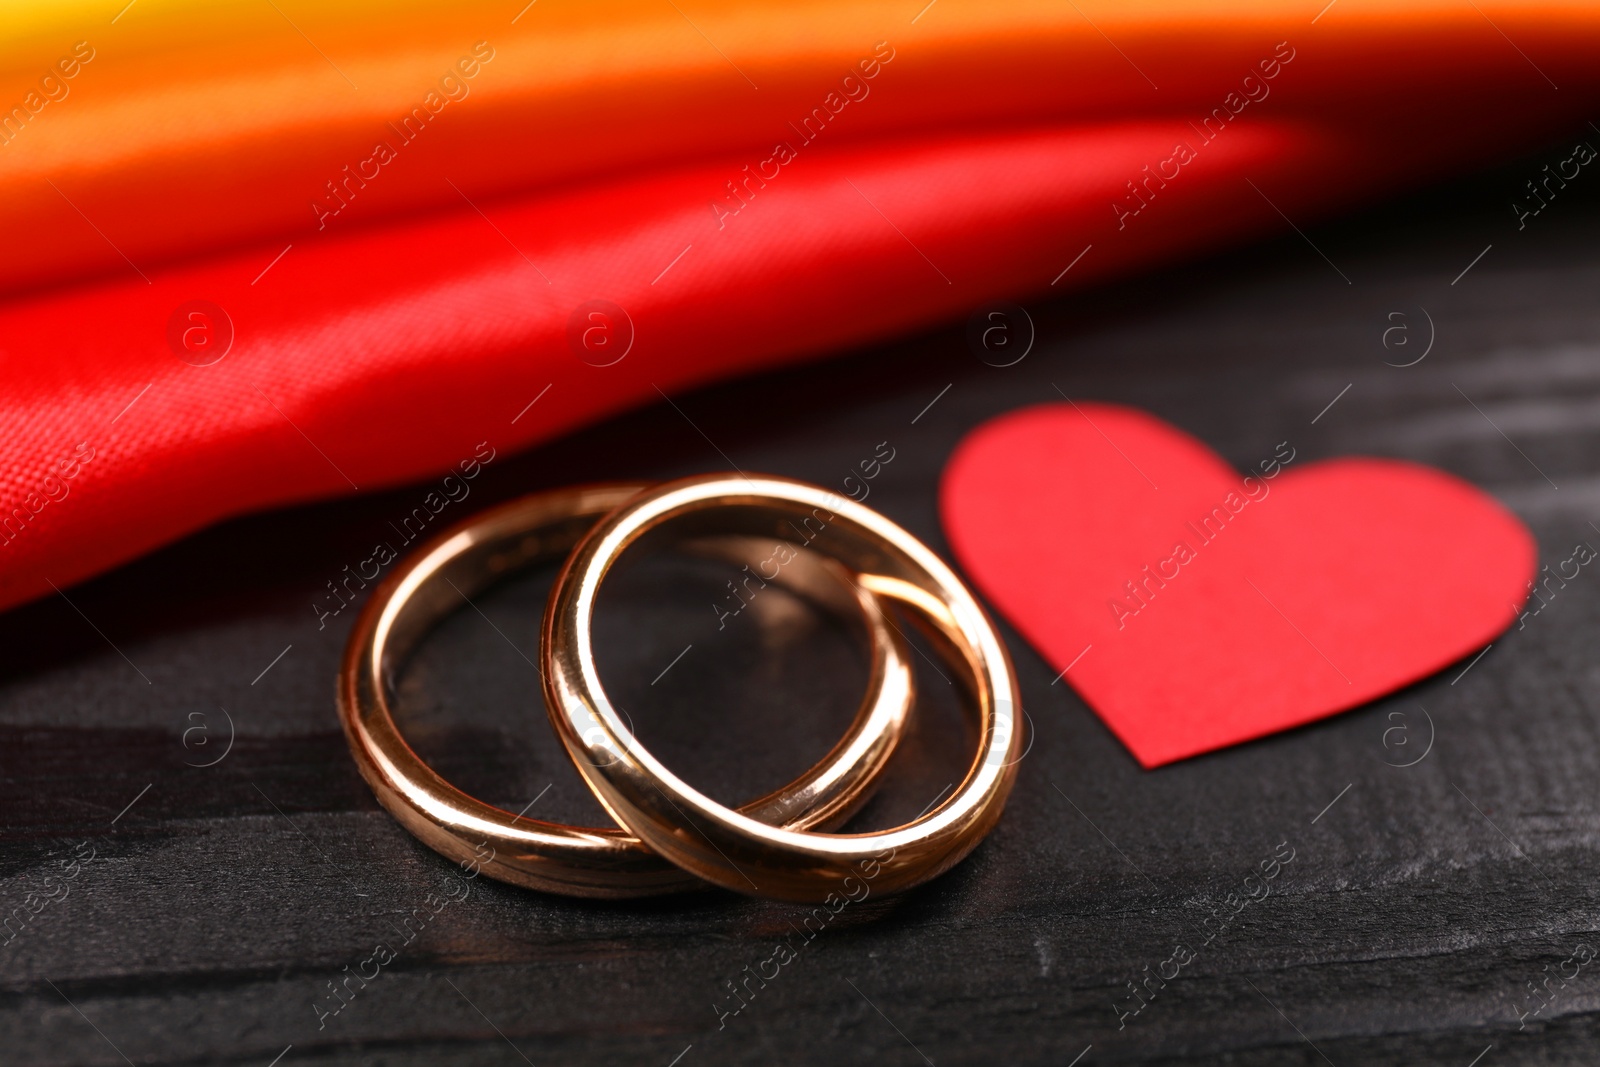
(1416,910)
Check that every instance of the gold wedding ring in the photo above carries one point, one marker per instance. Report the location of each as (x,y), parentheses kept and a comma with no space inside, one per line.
(730,848)
(444,574)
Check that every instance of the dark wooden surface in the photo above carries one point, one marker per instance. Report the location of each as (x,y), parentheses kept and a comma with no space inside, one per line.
(1407,928)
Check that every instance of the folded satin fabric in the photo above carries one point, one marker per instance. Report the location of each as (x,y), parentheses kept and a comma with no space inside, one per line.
(200,125)
(390,343)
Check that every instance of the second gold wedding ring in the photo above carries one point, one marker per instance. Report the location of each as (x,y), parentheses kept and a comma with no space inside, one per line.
(728,847)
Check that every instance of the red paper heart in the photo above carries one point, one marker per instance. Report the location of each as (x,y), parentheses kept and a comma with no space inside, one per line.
(1305,593)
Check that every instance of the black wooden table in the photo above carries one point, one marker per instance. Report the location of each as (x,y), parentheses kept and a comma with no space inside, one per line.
(165,911)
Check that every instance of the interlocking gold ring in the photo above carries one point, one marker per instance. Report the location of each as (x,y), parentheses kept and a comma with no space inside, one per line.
(439,578)
(717,843)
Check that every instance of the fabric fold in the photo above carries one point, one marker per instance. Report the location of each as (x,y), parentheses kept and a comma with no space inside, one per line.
(593,206)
